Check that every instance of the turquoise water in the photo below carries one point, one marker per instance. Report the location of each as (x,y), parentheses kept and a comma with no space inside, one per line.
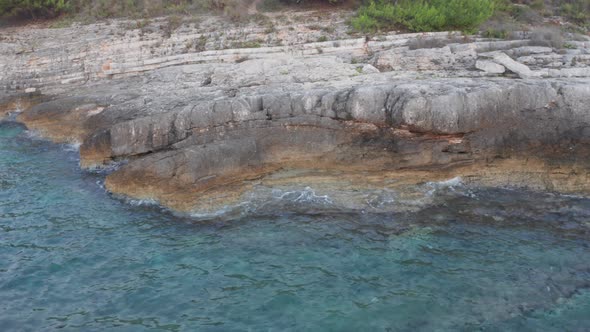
(75,259)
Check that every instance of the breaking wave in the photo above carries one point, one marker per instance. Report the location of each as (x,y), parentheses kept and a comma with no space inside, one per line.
(266,201)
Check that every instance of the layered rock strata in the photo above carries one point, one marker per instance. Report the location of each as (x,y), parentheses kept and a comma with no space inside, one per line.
(196,130)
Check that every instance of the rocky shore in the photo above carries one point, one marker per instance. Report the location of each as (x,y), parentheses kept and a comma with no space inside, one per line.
(198,117)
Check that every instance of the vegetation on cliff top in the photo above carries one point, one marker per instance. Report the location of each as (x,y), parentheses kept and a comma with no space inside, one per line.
(372,15)
(465,15)
(424,15)
(128,8)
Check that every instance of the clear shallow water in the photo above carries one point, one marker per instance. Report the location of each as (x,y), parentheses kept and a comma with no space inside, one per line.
(73,258)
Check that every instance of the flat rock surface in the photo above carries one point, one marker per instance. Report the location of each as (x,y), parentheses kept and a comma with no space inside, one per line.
(490,67)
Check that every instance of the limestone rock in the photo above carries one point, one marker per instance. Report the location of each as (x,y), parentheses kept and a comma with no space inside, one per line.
(528,50)
(369,69)
(189,115)
(282,69)
(570,72)
(419,60)
(489,67)
(523,71)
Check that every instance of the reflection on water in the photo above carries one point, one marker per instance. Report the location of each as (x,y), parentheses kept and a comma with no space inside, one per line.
(72,257)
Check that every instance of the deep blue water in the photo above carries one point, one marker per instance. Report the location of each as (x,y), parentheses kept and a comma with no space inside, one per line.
(75,259)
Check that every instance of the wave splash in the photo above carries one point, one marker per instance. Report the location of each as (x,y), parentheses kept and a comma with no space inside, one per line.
(307,200)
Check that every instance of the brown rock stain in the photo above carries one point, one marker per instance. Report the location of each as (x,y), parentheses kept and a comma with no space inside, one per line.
(66,126)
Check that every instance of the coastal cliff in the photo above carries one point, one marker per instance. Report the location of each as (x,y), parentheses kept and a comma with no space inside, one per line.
(197,119)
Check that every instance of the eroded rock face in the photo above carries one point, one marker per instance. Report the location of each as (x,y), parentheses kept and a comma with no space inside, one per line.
(434,124)
(197,129)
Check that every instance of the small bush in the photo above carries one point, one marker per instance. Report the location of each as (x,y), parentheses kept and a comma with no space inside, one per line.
(538,5)
(577,11)
(500,29)
(247,44)
(505,6)
(526,14)
(495,33)
(270,5)
(366,22)
(173,22)
(423,15)
(201,44)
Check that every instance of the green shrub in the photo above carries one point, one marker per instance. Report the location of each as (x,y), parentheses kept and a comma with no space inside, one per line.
(538,5)
(93,9)
(423,15)
(503,6)
(365,22)
(500,28)
(576,10)
(495,33)
(247,44)
(173,22)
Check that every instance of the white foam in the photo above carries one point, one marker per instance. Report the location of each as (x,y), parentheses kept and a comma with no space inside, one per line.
(264,200)
(381,199)
(34,135)
(142,202)
(72,147)
(106,169)
(228,210)
(11,116)
(307,195)
(453,182)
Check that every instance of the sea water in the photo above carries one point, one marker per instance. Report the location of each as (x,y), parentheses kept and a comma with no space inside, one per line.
(74,258)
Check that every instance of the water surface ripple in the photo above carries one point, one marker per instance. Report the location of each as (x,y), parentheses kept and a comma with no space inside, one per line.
(75,259)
